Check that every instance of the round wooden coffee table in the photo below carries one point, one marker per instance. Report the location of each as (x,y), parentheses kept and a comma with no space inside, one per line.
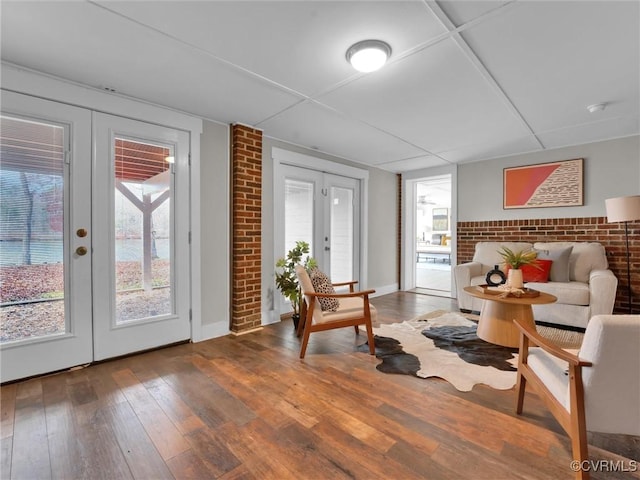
(497,315)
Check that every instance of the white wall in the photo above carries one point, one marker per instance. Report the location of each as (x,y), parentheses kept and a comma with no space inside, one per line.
(215,259)
(611,169)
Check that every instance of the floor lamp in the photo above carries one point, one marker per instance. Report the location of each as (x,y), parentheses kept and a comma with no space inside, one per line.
(624,209)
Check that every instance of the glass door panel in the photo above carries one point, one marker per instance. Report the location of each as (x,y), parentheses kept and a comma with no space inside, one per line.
(342,234)
(32,178)
(298,213)
(142,223)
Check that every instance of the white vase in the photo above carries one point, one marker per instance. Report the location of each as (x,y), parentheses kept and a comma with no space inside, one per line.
(514,278)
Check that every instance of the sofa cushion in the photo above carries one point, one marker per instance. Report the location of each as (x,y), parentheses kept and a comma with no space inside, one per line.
(567,293)
(560,267)
(585,257)
(537,272)
(487,253)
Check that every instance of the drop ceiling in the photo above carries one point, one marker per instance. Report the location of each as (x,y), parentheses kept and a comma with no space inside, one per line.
(467,80)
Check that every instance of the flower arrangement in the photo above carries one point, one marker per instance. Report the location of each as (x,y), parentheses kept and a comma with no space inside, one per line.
(518,259)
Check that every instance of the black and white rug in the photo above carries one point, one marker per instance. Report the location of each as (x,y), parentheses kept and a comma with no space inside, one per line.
(445,345)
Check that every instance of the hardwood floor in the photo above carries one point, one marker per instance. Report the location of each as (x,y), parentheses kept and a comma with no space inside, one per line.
(247,408)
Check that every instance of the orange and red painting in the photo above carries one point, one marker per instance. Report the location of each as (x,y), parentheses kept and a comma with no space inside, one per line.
(557,184)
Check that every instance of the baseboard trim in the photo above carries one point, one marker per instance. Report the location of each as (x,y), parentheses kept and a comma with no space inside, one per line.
(385,290)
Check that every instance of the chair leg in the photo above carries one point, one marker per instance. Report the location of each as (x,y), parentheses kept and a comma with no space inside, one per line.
(520,388)
(372,345)
(578,423)
(305,340)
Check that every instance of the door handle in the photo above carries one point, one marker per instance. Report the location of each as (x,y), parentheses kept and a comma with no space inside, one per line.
(326,249)
(80,251)
(81,232)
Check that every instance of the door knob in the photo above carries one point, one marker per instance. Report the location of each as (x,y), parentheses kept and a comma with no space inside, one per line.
(81,232)
(326,249)
(81,251)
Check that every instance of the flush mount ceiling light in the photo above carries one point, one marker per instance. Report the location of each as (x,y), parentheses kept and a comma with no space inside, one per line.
(596,107)
(368,55)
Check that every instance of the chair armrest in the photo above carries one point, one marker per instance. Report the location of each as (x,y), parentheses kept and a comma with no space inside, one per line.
(552,349)
(344,284)
(603,285)
(462,275)
(362,293)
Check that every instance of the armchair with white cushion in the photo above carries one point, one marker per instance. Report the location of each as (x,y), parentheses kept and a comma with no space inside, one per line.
(596,389)
(354,309)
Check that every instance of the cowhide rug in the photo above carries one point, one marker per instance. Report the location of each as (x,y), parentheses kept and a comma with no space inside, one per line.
(444,346)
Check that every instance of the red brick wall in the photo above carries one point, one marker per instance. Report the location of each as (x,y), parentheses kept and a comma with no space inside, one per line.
(589,229)
(246,188)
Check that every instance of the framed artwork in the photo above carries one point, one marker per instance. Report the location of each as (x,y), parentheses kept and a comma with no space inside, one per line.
(440,219)
(556,184)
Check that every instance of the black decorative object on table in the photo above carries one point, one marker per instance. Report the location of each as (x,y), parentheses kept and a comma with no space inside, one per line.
(495,277)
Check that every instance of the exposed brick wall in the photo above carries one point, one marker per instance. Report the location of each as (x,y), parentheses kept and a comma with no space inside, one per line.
(589,229)
(246,188)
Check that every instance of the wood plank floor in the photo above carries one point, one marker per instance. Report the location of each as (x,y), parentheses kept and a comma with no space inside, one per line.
(247,408)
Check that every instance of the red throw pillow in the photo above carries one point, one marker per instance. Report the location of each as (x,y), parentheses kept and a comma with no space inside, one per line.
(531,273)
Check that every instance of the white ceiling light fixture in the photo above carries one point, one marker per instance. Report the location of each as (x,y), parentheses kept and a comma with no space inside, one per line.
(368,55)
(596,107)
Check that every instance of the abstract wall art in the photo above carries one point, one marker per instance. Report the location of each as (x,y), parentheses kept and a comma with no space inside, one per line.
(556,184)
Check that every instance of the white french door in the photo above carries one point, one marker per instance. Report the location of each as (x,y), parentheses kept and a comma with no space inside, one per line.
(45,220)
(94,247)
(141,236)
(323,210)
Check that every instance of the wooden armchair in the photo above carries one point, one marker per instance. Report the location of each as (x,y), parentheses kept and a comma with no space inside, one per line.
(597,389)
(354,310)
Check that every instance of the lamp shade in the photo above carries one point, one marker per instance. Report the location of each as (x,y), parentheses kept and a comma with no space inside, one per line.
(623,209)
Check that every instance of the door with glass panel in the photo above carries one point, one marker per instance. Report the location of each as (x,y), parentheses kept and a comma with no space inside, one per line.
(324,211)
(45,236)
(141,236)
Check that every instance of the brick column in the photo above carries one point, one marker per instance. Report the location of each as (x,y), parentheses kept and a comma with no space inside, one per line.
(246,186)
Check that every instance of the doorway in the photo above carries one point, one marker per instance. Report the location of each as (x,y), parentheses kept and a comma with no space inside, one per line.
(433,237)
(75,288)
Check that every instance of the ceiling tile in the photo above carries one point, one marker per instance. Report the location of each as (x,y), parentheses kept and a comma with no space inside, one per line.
(137,62)
(298,44)
(591,132)
(493,149)
(553,59)
(409,164)
(435,99)
(314,125)
(461,12)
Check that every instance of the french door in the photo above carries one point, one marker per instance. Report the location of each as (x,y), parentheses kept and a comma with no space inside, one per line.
(323,210)
(93,250)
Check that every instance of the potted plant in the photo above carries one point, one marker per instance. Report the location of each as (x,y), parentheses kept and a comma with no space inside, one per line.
(516,260)
(286,279)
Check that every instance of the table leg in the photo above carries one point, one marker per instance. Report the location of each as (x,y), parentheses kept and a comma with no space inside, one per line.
(496,322)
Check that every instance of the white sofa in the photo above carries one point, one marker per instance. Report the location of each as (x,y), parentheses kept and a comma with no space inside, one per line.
(590,291)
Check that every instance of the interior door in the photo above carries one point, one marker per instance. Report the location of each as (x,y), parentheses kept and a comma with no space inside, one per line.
(45,236)
(141,236)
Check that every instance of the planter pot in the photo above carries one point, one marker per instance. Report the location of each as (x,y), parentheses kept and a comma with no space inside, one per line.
(514,278)
(296,319)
